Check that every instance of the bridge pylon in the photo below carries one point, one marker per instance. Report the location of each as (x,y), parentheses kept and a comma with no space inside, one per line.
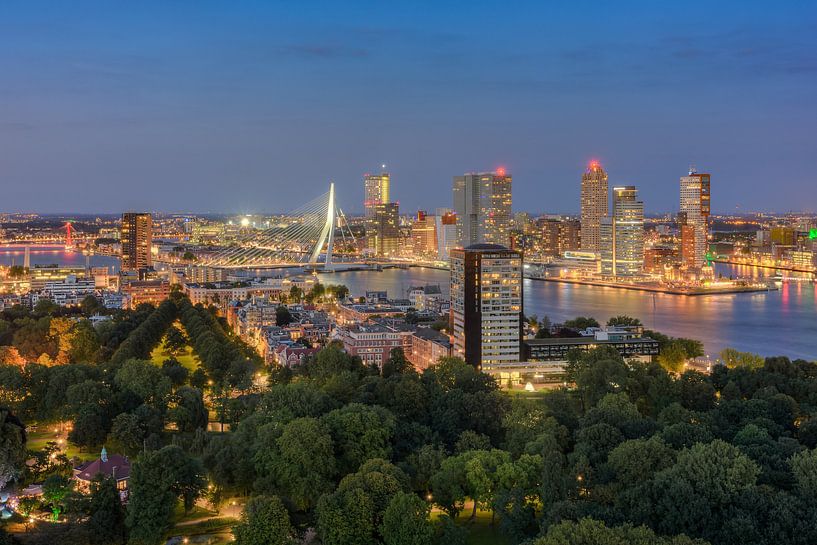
(327,235)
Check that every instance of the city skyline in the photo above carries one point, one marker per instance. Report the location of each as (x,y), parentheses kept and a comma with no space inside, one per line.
(199,101)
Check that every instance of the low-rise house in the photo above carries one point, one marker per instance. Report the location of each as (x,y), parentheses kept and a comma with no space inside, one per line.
(114,466)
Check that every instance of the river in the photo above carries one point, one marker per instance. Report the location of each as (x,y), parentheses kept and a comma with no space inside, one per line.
(771,323)
(54,255)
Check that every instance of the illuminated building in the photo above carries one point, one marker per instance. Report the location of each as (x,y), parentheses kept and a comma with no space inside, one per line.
(146,291)
(424,235)
(695,207)
(557,236)
(136,239)
(784,236)
(375,191)
(483,203)
(658,259)
(622,235)
(385,237)
(486,304)
(594,206)
(446,225)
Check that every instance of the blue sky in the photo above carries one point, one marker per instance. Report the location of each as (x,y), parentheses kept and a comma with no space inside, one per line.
(254,106)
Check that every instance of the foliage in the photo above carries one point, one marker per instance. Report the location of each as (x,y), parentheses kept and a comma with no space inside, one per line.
(12,447)
(733,358)
(264,521)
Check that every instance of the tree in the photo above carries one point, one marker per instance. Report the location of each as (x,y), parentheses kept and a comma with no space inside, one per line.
(90,306)
(406,521)
(264,521)
(106,517)
(397,363)
(91,426)
(144,380)
(592,532)
(12,447)
(359,433)
(175,340)
(623,321)
(354,512)
(128,433)
(9,355)
(83,342)
(175,371)
(296,294)
(346,519)
(804,468)
(55,490)
(733,359)
(303,462)
(283,317)
(188,411)
(158,478)
(581,322)
(673,357)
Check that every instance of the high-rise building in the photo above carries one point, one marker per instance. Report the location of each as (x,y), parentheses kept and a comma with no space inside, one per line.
(594,205)
(569,236)
(136,240)
(695,207)
(622,235)
(446,224)
(375,191)
(557,236)
(424,235)
(483,203)
(385,238)
(486,304)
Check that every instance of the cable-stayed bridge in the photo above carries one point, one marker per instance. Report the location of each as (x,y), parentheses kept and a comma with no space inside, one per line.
(307,237)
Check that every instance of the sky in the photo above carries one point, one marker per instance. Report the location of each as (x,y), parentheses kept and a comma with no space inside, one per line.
(252,107)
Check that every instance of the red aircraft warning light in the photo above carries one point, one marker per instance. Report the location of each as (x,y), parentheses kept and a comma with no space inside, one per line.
(500,171)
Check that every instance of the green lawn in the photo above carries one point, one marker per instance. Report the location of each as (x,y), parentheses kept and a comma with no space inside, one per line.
(187,359)
(480,531)
(44,434)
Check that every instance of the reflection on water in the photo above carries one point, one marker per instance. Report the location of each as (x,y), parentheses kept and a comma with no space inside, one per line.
(769,323)
(54,255)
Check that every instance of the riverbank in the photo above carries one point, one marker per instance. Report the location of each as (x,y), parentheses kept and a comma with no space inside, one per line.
(692,292)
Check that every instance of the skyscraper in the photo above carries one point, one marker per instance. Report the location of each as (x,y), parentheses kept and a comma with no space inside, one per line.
(695,210)
(483,203)
(385,238)
(446,225)
(136,240)
(486,304)
(622,235)
(424,235)
(594,205)
(375,191)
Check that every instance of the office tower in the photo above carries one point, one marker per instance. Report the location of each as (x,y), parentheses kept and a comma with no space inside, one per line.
(486,304)
(557,236)
(695,205)
(622,235)
(136,240)
(424,235)
(446,223)
(483,203)
(569,236)
(385,239)
(375,191)
(594,205)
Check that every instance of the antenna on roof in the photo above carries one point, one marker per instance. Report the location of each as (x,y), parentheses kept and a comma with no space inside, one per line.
(692,170)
